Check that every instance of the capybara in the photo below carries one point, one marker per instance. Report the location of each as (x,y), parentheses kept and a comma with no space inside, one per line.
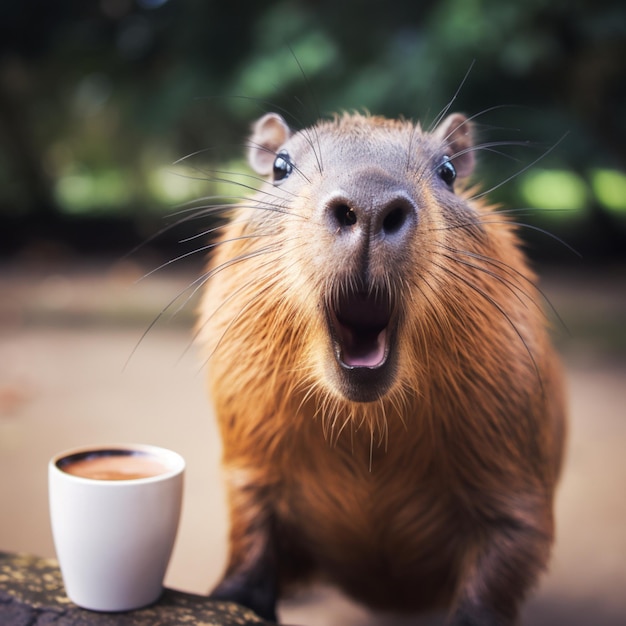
(390,404)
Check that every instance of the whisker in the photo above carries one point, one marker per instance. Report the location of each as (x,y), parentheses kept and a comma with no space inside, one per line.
(193,212)
(194,286)
(192,209)
(516,290)
(264,250)
(180,257)
(538,229)
(415,130)
(499,308)
(210,231)
(234,319)
(209,246)
(269,207)
(347,420)
(223,303)
(267,105)
(524,169)
(210,175)
(526,211)
(311,93)
(172,226)
(191,155)
(491,146)
(543,231)
(229,181)
(257,146)
(491,109)
(516,273)
(384,426)
(274,280)
(438,119)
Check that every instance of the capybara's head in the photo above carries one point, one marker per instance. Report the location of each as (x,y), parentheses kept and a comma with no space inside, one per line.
(361,259)
(367,203)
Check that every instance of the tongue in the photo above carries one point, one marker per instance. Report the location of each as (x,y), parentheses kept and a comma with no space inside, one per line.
(362,348)
(361,325)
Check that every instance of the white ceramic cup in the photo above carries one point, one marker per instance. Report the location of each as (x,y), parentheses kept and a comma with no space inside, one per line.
(114,537)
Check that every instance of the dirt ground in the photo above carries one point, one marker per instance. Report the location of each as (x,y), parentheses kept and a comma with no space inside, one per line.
(66,334)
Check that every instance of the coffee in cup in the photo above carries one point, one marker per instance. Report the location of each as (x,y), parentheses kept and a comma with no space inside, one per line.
(114,512)
(114,464)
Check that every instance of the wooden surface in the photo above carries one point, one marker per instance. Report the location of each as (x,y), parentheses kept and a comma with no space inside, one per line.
(32,594)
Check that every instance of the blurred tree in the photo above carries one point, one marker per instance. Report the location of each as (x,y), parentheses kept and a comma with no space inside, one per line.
(96,98)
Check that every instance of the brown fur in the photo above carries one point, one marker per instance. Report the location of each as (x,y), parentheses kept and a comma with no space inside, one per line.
(440,491)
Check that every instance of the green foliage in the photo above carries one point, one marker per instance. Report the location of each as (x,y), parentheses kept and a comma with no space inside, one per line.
(99,99)
(555,191)
(609,187)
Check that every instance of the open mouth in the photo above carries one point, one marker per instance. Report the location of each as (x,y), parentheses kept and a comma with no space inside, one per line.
(361,330)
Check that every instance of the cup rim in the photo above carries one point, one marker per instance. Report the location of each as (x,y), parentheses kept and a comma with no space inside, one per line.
(173,460)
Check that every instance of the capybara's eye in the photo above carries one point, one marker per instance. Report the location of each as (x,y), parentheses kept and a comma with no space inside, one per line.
(447,171)
(282,166)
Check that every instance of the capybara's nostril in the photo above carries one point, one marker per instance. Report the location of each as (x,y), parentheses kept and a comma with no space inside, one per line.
(386,218)
(344,214)
(394,220)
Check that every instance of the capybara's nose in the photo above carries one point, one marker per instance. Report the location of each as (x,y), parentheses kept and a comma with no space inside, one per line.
(383,220)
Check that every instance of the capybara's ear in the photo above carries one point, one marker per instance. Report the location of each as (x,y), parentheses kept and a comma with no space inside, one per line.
(457,132)
(268,135)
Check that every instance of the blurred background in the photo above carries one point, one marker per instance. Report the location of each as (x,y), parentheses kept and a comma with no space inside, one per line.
(118,116)
(98,100)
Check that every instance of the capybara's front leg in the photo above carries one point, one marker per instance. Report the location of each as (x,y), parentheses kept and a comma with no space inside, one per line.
(498,572)
(250,578)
